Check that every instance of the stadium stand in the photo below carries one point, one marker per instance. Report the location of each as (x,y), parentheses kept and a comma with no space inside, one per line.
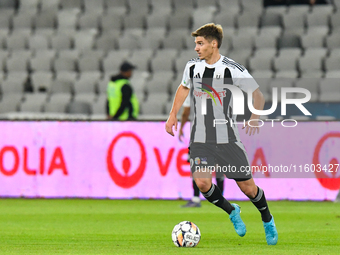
(70,48)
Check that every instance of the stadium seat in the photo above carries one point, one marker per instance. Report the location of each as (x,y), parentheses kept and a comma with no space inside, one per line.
(50,5)
(114,59)
(182,5)
(270,19)
(317,19)
(41,80)
(14,83)
(162,63)
(64,64)
(141,59)
(286,74)
(247,19)
(327,9)
(229,7)
(332,63)
(68,76)
(160,82)
(262,59)
(242,41)
(312,60)
(311,84)
(10,103)
(294,23)
(333,74)
(163,7)
(154,104)
(45,19)
(241,55)
(225,20)
(89,98)
(94,6)
(299,9)
(334,20)
(71,4)
(182,18)
(78,107)
(314,37)
(84,39)
(89,20)
(67,19)
(286,59)
(280,83)
(89,63)
(265,41)
(157,20)
(61,41)
(57,103)
(107,41)
(251,6)
(16,41)
(202,16)
(274,31)
(99,106)
(38,42)
(280,9)
(289,40)
(329,90)
(33,102)
(109,22)
(135,20)
(333,41)
(61,87)
(175,39)
(153,38)
(22,20)
(138,7)
(85,84)
(17,64)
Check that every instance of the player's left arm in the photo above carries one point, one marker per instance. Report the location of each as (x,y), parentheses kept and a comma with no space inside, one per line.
(252,125)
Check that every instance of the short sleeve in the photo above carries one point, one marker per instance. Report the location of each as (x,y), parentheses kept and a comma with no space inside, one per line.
(244,80)
(186,76)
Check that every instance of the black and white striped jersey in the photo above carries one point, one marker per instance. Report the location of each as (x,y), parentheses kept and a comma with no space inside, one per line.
(205,93)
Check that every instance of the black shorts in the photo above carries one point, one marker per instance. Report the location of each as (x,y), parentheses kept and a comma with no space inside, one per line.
(228,159)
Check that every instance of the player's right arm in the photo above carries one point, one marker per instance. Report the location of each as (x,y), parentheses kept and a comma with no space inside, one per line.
(184,119)
(181,93)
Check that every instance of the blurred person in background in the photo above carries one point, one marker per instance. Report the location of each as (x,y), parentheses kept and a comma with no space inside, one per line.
(122,103)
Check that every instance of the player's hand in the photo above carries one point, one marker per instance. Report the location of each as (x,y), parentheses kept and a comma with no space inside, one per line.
(251,129)
(172,121)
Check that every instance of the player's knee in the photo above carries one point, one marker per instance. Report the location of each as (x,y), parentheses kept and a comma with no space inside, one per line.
(249,191)
(203,184)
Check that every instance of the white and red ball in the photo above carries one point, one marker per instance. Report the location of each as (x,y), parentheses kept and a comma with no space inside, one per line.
(186,234)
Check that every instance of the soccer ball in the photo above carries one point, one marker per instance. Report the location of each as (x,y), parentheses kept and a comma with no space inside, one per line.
(186,234)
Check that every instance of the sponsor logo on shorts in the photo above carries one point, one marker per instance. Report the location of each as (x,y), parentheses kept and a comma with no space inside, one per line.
(204,161)
(197,161)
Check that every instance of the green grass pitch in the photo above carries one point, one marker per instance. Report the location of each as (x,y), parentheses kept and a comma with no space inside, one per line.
(75,226)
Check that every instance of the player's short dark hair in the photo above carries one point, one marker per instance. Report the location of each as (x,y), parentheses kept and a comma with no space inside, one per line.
(210,32)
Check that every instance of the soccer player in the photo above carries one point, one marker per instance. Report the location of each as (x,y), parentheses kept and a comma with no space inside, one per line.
(195,201)
(212,143)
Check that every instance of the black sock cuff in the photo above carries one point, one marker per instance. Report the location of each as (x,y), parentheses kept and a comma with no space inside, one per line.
(210,191)
(258,195)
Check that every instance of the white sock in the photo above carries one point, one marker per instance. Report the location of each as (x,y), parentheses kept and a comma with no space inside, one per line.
(196,199)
